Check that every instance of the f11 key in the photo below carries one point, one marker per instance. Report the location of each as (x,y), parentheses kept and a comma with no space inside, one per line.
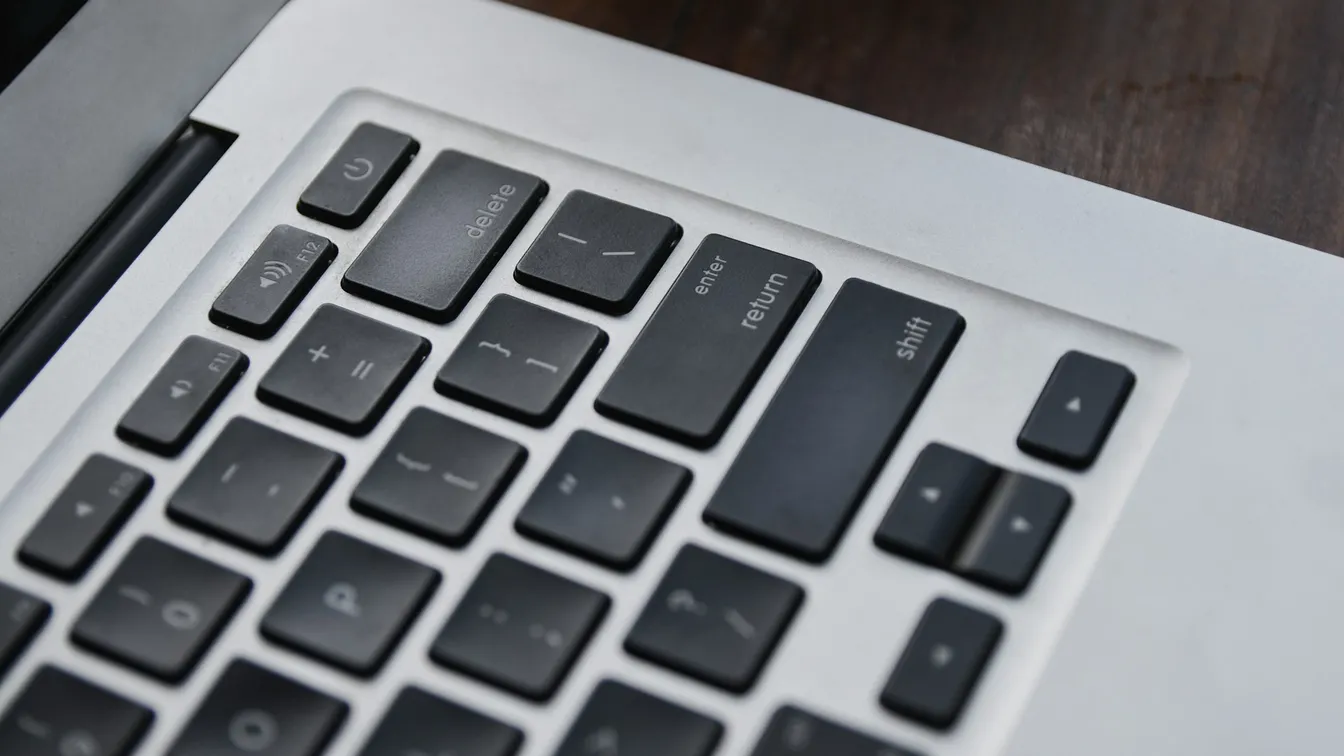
(183,395)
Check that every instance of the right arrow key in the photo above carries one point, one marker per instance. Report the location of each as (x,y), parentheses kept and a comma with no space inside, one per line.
(1076,410)
(1019,522)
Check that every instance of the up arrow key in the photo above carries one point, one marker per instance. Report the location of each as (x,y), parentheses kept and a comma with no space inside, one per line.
(1075,405)
(930,494)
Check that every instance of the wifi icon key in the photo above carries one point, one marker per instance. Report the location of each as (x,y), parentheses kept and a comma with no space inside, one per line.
(280,273)
(272,271)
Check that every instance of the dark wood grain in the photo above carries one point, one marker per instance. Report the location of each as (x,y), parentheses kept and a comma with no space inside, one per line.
(1230,108)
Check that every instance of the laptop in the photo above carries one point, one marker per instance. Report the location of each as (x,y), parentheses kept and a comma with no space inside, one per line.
(432,378)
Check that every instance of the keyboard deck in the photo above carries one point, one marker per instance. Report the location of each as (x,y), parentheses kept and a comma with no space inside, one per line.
(457,444)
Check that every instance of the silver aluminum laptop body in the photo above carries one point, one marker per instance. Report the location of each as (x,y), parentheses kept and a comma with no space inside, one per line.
(1188,604)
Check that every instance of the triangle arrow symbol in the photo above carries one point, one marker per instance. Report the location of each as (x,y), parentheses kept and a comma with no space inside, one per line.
(83,509)
(1075,405)
(931,494)
(1020,524)
(266,283)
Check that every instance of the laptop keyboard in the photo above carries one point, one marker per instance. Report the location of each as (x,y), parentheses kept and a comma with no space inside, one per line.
(720,610)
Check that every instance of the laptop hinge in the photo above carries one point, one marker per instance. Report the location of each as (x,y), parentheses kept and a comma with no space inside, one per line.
(105,253)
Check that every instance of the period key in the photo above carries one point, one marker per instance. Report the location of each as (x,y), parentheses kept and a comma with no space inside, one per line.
(692,366)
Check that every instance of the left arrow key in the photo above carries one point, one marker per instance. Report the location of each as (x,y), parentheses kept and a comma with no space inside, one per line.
(85,516)
(183,395)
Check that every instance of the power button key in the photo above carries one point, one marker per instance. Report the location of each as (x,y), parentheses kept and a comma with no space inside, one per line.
(358,175)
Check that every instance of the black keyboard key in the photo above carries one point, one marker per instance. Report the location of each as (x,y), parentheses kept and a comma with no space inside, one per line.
(1018,525)
(160,610)
(273,281)
(619,719)
(714,619)
(598,252)
(254,486)
(936,505)
(349,603)
(420,723)
(521,361)
(343,370)
(696,360)
(354,181)
(22,615)
(1076,411)
(942,663)
(183,395)
(252,710)
(520,627)
(794,732)
(58,714)
(438,477)
(85,516)
(603,500)
(834,420)
(439,244)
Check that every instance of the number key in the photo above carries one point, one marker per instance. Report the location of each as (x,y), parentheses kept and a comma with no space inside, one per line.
(58,714)
(21,616)
(343,370)
(160,610)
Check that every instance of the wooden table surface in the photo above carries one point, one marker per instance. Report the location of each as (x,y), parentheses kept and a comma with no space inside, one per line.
(1229,108)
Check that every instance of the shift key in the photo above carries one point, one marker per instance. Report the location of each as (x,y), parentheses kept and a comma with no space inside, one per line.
(444,238)
(834,420)
(695,362)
